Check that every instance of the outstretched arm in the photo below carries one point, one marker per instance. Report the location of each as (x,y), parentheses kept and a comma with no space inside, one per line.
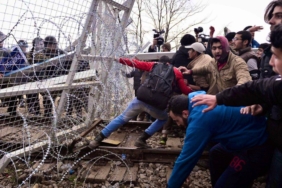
(142,65)
(195,141)
(268,91)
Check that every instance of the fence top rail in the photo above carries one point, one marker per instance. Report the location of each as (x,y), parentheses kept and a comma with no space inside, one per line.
(157,55)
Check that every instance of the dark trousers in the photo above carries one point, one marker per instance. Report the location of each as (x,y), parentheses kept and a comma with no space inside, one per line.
(275,172)
(48,101)
(33,104)
(11,102)
(12,105)
(233,170)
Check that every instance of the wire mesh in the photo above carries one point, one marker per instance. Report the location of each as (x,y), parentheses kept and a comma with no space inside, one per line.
(38,44)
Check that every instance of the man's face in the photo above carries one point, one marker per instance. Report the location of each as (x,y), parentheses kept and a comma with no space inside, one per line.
(164,49)
(180,120)
(192,54)
(216,50)
(51,47)
(39,45)
(24,49)
(276,17)
(276,60)
(238,43)
(260,52)
(231,44)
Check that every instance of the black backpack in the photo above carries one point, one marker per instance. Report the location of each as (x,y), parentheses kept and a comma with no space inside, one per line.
(158,87)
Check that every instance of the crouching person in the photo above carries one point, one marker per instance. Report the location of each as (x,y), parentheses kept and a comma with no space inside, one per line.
(242,153)
(152,97)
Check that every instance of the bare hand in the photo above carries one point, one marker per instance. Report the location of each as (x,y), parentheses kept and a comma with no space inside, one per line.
(255,28)
(211,31)
(184,70)
(254,110)
(209,100)
(1,75)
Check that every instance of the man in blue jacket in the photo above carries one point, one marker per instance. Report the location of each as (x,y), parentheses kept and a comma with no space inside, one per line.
(242,153)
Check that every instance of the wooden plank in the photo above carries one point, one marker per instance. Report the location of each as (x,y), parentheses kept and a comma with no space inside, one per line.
(103,174)
(35,136)
(132,174)
(118,174)
(168,173)
(131,139)
(111,142)
(116,138)
(9,130)
(45,167)
(173,143)
(90,174)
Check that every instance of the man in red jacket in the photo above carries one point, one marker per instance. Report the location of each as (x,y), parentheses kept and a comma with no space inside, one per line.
(136,106)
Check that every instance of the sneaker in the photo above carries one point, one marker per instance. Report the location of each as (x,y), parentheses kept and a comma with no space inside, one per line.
(96,142)
(141,144)
(163,140)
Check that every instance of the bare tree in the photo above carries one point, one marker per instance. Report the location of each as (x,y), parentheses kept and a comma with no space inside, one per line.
(137,25)
(176,17)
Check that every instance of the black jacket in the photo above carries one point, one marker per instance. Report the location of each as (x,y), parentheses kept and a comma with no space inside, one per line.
(136,74)
(152,50)
(265,68)
(181,58)
(264,91)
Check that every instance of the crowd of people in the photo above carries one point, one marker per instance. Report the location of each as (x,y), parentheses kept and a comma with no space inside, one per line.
(246,140)
(42,49)
(232,166)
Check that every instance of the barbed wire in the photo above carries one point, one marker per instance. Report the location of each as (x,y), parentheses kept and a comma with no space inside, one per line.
(43,82)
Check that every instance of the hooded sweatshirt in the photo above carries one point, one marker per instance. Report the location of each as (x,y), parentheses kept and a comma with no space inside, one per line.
(225,51)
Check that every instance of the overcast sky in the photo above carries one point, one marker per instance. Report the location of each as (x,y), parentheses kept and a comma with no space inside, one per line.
(236,15)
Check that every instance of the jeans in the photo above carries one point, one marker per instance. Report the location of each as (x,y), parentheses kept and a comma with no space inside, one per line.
(275,172)
(134,108)
(238,169)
